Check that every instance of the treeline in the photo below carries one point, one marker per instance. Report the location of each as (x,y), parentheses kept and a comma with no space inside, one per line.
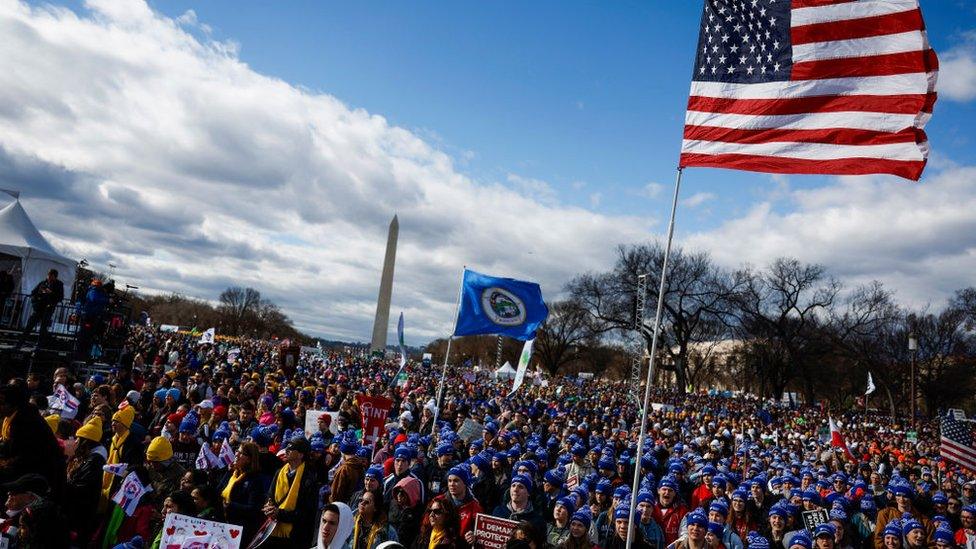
(787,326)
(238,312)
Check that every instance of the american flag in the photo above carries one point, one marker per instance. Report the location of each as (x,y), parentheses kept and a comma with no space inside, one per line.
(838,87)
(957,441)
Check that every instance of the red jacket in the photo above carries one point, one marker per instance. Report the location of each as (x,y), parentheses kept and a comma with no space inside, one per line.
(669,520)
(467,510)
(702,493)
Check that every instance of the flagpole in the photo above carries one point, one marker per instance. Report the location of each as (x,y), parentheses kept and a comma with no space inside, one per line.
(447,354)
(650,366)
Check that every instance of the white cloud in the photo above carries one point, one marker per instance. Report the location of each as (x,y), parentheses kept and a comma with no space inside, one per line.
(652,190)
(534,188)
(697,199)
(138,142)
(918,238)
(957,70)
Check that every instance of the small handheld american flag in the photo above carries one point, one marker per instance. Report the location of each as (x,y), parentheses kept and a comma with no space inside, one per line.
(840,87)
(957,441)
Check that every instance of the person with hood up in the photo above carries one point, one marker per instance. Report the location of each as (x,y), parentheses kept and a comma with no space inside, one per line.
(406,510)
(335,527)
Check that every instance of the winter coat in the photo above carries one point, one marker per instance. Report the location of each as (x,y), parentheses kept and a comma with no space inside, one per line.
(246,500)
(406,520)
(348,478)
(82,491)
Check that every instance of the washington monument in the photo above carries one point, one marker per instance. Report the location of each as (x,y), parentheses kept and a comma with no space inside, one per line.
(382,321)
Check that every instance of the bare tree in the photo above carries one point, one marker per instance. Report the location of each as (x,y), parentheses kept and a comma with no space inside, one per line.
(560,337)
(780,310)
(238,304)
(695,300)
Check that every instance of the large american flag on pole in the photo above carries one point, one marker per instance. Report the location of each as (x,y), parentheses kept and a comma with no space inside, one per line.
(840,87)
(957,441)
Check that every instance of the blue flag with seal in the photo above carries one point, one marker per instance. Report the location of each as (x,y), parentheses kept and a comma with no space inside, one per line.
(502,306)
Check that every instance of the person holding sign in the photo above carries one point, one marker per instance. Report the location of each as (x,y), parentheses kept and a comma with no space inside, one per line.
(292,498)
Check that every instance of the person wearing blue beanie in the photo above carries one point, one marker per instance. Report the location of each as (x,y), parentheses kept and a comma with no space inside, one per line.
(646,525)
(557,530)
(801,540)
(519,504)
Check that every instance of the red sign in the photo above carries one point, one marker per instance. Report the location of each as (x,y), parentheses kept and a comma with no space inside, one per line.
(374,411)
(492,532)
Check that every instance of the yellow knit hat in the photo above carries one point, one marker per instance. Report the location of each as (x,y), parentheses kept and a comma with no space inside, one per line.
(125,416)
(159,449)
(52,421)
(92,430)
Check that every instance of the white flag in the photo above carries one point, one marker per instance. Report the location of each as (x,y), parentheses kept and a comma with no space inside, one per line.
(871,386)
(208,336)
(130,493)
(64,402)
(206,459)
(523,365)
(226,454)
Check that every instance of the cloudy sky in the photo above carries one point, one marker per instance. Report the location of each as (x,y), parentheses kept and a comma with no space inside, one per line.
(270,144)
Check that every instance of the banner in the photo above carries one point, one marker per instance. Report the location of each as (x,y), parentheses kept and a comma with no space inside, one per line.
(492,532)
(63,402)
(129,494)
(181,531)
(166,328)
(208,336)
(523,365)
(374,411)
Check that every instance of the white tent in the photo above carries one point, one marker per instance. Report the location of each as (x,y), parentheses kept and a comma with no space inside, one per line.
(20,240)
(505,372)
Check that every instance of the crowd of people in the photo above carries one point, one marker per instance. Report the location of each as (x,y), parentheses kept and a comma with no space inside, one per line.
(557,458)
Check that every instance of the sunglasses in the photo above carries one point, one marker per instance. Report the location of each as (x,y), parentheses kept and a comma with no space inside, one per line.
(435,511)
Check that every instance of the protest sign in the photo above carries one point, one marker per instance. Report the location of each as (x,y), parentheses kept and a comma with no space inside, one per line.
(470,430)
(492,532)
(312,421)
(181,531)
(812,519)
(572,482)
(374,411)
(426,359)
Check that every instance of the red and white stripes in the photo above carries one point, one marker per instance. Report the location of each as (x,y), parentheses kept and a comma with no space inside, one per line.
(861,90)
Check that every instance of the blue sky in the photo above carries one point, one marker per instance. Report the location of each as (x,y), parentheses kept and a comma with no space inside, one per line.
(198,145)
(563,92)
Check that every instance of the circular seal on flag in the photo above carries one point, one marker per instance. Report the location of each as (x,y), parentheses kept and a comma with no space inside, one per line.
(502,307)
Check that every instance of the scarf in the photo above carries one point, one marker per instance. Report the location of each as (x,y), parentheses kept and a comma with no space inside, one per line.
(370,534)
(7,422)
(114,456)
(234,478)
(437,535)
(286,497)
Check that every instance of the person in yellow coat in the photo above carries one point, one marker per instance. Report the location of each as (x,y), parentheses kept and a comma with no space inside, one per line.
(123,448)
